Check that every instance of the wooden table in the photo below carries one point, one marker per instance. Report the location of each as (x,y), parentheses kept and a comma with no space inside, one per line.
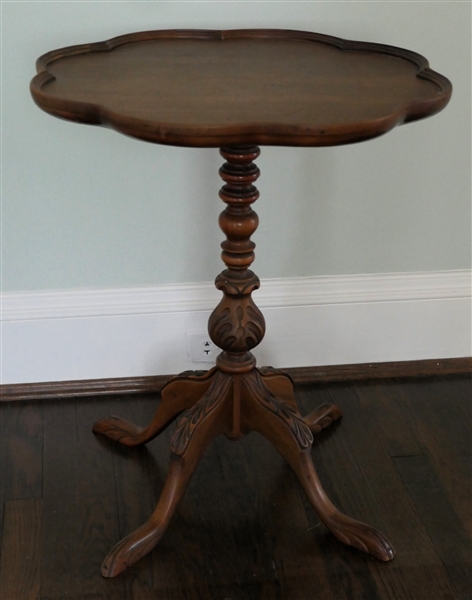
(236,90)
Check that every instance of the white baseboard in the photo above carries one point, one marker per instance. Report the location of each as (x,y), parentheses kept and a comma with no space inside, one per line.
(132,332)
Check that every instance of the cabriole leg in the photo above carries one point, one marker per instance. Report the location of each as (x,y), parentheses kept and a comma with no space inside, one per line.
(197,428)
(178,394)
(287,431)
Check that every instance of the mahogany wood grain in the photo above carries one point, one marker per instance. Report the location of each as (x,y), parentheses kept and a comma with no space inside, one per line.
(293,88)
(280,384)
(197,557)
(291,436)
(322,417)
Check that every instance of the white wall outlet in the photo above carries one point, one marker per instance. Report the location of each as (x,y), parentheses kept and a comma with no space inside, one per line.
(200,348)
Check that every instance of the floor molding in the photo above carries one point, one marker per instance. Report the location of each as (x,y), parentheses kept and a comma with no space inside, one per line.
(301,376)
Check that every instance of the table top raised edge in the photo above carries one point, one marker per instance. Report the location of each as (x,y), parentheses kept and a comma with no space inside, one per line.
(257,133)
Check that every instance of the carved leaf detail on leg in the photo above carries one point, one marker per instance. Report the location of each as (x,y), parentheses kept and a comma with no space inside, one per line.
(192,417)
(289,415)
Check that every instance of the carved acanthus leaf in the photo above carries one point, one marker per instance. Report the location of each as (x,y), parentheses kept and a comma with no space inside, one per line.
(236,325)
(195,415)
(291,418)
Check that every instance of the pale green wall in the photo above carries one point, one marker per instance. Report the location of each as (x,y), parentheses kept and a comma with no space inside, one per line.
(85,207)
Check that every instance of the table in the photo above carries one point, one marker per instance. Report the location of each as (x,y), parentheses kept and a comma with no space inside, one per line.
(236,90)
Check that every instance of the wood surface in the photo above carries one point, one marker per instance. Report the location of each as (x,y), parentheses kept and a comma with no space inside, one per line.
(231,536)
(20,568)
(83,388)
(256,86)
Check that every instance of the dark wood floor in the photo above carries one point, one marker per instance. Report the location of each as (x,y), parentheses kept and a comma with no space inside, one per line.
(400,459)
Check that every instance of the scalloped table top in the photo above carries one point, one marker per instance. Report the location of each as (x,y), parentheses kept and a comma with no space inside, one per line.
(216,88)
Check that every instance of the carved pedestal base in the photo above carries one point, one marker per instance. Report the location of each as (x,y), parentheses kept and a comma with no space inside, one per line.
(216,403)
(234,397)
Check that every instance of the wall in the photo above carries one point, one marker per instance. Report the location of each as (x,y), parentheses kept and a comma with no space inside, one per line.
(84,208)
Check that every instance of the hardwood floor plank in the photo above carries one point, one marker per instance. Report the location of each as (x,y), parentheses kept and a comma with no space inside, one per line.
(454,473)
(446,531)
(456,478)
(441,419)
(222,570)
(439,408)
(20,568)
(97,505)
(463,391)
(371,490)
(62,531)
(374,400)
(21,453)
(249,512)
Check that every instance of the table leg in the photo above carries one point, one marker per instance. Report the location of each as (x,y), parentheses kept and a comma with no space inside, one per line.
(281,385)
(178,394)
(208,418)
(288,432)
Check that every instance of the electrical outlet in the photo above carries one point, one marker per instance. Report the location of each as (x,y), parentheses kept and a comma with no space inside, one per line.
(200,348)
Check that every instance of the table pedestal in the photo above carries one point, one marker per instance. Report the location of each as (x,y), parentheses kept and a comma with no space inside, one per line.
(234,397)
